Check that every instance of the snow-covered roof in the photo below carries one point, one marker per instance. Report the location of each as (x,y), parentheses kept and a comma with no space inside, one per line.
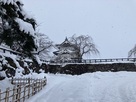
(63,51)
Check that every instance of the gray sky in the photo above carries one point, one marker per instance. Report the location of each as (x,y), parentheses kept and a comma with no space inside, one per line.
(111,23)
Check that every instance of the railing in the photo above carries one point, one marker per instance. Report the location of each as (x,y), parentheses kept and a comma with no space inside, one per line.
(94,60)
(109,60)
(23,81)
(20,92)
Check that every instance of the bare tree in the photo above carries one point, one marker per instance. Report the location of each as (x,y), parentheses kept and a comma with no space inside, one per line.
(45,45)
(84,45)
(132,52)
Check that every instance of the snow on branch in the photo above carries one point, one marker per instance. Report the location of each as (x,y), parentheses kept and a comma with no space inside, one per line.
(8,1)
(24,26)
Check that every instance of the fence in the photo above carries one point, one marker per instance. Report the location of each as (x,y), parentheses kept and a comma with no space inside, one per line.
(109,60)
(94,60)
(23,89)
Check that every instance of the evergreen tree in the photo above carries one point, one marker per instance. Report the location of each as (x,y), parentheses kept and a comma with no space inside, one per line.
(18,29)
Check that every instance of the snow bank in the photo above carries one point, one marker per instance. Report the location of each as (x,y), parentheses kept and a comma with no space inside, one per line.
(89,87)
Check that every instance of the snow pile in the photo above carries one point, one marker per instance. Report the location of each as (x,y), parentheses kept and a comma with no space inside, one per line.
(90,87)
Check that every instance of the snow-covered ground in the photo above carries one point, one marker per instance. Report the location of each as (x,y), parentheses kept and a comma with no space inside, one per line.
(5,84)
(89,87)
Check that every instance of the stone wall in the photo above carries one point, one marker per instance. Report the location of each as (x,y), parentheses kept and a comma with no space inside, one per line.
(77,69)
(9,65)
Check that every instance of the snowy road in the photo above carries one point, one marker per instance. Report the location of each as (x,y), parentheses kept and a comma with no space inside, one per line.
(91,87)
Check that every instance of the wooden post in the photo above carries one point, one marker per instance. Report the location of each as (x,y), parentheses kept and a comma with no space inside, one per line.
(41,84)
(7,95)
(24,93)
(14,93)
(17,93)
(38,85)
(33,89)
(0,95)
(45,80)
(28,90)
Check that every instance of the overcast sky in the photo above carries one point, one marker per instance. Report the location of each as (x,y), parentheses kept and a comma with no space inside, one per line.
(111,23)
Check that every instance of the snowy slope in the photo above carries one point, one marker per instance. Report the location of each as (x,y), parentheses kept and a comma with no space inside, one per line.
(91,87)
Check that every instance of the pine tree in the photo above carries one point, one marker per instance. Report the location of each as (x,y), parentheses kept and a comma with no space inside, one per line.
(18,29)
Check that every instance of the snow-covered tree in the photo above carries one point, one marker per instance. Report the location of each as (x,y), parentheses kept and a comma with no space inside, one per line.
(132,52)
(84,45)
(18,28)
(45,45)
